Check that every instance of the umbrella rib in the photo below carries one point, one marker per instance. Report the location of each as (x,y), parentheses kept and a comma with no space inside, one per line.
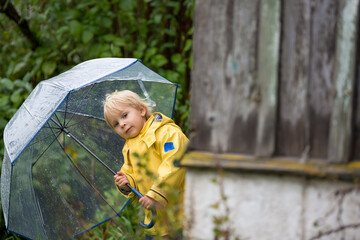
(84,95)
(61,197)
(56,136)
(63,200)
(50,135)
(83,115)
(84,146)
(37,203)
(51,127)
(69,126)
(59,127)
(66,106)
(85,178)
(58,119)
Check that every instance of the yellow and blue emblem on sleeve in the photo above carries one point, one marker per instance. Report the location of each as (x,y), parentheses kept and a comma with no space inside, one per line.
(168,146)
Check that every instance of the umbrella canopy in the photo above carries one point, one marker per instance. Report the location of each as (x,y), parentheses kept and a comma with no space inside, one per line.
(51,186)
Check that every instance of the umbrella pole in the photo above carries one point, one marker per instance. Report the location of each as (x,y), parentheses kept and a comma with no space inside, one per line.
(62,128)
(134,190)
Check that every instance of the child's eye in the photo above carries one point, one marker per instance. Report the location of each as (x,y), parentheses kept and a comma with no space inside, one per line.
(116,124)
(124,115)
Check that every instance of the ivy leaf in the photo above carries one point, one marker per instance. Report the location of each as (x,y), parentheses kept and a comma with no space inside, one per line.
(7,83)
(191,61)
(62,30)
(75,28)
(188,45)
(127,5)
(3,123)
(87,36)
(149,53)
(157,18)
(159,60)
(27,77)
(4,103)
(20,66)
(10,68)
(119,42)
(106,22)
(176,58)
(19,84)
(49,67)
(16,97)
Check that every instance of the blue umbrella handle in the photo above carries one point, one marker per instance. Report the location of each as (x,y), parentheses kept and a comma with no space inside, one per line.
(153,210)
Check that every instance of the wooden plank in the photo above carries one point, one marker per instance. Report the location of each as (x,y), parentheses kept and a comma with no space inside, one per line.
(356,146)
(340,127)
(268,60)
(279,166)
(293,125)
(224,88)
(321,81)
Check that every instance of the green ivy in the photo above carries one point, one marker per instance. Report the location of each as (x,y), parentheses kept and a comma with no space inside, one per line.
(159,32)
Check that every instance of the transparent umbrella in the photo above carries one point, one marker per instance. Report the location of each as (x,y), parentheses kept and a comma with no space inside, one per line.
(60,155)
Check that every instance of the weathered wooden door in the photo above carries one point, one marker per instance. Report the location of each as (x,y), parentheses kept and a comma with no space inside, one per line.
(277,78)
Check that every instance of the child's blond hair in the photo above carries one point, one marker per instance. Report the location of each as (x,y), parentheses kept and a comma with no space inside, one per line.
(125,97)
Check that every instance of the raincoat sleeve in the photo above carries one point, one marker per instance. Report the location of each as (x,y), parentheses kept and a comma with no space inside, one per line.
(171,144)
(127,169)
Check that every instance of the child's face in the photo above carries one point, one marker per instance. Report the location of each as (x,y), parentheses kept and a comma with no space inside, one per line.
(127,121)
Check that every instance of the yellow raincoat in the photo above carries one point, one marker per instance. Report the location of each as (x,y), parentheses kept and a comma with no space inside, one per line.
(148,164)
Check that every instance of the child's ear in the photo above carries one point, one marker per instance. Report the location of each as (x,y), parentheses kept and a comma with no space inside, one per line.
(143,111)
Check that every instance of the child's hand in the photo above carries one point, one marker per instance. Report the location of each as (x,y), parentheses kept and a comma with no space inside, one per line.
(121,181)
(148,202)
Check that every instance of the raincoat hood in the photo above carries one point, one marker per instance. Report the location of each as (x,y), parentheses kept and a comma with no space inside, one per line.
(156,121)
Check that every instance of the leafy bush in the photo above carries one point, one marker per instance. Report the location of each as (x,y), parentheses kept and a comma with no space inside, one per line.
(123,227)
(62,34)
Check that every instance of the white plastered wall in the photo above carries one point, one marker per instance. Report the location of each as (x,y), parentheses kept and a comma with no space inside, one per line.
(254,206)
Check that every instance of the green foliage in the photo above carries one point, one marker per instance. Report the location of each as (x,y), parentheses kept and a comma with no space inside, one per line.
(123,227)
(159,32)
(12,94)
